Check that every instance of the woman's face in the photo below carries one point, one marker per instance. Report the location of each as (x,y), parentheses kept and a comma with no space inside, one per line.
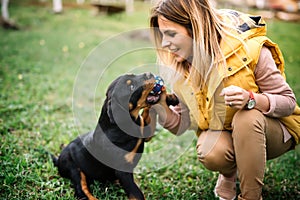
(176,39)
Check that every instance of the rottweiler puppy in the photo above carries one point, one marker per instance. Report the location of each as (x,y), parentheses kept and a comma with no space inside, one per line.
(113,149)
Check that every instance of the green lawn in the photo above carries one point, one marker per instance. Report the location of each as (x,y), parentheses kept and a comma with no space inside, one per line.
(53,75)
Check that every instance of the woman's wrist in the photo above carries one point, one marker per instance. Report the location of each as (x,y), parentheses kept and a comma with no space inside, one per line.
(262,102)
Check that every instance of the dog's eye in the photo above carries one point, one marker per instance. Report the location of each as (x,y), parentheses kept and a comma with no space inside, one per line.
(130,84)
(132,87)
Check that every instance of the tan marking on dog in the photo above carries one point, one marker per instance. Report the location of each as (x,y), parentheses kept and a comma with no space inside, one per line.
(142,125)
(129,157)
(133,198)
(142,102)
(128,82)
(85,188)
(146,116)
(147,120)
(130,106)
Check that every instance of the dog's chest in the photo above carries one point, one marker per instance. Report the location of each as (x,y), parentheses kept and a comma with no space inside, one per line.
(114,149)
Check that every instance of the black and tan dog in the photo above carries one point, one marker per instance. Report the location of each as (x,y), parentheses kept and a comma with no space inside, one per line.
(113,149)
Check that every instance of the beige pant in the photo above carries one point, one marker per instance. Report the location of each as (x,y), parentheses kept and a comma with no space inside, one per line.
(255,138)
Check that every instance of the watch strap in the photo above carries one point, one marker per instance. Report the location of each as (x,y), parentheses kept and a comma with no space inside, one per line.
(251,102)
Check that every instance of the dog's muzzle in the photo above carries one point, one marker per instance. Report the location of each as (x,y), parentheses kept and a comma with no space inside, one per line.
(154,95)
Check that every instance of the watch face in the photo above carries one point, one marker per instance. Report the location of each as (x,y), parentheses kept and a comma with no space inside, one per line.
(251,104)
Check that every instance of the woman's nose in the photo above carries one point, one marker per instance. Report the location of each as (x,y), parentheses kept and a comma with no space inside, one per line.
(165,43)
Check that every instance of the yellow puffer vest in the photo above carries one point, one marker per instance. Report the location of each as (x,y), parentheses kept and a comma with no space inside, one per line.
(207,107)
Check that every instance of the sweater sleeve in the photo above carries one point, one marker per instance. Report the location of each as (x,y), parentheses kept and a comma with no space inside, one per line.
(272,84)
(179,119)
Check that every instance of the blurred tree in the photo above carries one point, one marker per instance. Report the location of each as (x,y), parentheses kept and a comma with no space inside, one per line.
(5,20)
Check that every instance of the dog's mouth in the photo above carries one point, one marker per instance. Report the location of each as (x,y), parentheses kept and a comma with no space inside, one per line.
(146,95)
(154,95)
(153,98)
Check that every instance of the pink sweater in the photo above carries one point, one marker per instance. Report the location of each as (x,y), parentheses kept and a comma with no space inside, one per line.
(270,82)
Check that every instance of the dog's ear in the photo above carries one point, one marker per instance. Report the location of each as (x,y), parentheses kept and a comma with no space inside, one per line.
(107,103)
(119,106)
(109,112)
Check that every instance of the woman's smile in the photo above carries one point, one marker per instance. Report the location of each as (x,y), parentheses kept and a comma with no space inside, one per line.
(176,39)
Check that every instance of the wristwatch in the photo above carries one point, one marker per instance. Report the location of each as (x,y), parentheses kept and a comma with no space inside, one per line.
(251,103)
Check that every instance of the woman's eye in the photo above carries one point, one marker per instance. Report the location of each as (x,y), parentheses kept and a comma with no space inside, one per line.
(168,33)
(172,34)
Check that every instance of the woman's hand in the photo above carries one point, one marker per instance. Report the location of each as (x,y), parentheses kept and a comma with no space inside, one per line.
(235,97)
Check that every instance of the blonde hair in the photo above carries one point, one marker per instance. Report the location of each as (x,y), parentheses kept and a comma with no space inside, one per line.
(204,23)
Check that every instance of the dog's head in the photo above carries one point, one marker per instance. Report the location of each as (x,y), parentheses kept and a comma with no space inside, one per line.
(126,97)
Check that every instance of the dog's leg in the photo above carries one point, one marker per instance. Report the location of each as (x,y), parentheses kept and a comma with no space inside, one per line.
(85,188)
(132,190)
(146,116)
(80,185)
(146,121)
(130,156)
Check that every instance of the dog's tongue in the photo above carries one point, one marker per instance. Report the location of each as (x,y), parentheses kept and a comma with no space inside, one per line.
(152,99)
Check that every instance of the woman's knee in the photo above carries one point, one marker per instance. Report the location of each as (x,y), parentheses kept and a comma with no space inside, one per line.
(216,154)
(213,161)
(245,120)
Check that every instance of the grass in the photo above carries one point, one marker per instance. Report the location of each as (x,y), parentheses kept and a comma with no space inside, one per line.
(51,92)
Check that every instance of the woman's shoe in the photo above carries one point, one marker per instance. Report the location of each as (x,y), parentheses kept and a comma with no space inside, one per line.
(225,188)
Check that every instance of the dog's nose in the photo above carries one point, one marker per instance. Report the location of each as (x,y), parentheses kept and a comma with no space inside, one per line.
(149,75)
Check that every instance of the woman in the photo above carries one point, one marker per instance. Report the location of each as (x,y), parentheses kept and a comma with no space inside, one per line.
(230,80)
